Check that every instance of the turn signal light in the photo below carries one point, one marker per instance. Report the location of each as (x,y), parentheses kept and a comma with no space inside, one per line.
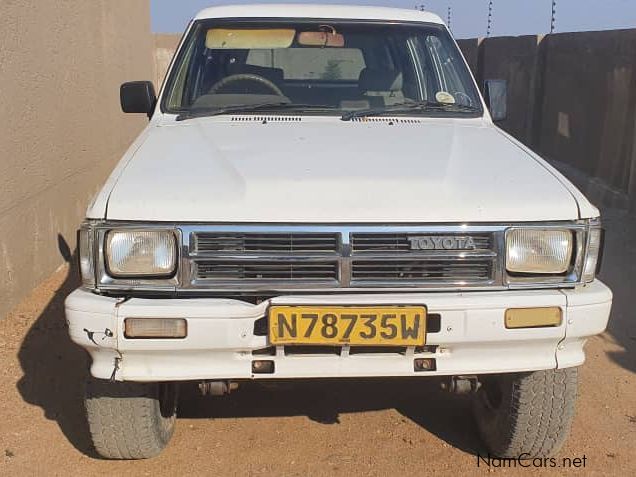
(155,328)
(533,317)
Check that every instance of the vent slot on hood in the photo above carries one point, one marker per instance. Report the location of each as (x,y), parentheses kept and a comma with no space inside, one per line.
(390,121)
(266,119)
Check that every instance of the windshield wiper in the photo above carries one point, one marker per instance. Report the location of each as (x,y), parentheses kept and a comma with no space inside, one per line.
(408,107)
(242,108)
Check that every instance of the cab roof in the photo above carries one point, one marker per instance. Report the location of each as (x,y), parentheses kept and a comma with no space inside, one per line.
(333,12)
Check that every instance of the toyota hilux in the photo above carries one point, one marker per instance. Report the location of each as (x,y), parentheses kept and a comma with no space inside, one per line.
(323,192)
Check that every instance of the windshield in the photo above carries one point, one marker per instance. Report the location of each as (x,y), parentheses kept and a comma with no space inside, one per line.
(327,67)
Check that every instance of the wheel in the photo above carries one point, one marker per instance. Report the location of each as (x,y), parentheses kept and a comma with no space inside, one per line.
(130,420)
(527,415)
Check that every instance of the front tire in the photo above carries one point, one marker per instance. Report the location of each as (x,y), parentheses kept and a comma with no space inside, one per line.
(526,414)
(130,420)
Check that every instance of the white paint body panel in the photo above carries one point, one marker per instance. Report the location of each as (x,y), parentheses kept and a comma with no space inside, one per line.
(221,339)
(322,170)
(341,12)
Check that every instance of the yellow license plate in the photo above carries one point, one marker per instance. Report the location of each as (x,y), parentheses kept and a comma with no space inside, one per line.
(355,326)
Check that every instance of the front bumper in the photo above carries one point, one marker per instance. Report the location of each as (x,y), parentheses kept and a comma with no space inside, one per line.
(222,340)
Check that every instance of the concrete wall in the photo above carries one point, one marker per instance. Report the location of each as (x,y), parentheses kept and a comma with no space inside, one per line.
(61,64)
(572,97)
(165,47)
(589,104)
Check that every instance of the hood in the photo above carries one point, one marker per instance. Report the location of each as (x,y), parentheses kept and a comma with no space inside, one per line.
(326,171)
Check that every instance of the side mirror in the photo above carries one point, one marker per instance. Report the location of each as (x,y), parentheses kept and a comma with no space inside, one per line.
(138,97)
(496,95)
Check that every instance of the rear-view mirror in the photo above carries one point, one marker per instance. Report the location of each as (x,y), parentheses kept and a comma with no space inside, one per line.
(496,95)
(138,97)
(321,38)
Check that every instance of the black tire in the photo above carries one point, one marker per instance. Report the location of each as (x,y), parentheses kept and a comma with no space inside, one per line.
(130,420)
(529,414)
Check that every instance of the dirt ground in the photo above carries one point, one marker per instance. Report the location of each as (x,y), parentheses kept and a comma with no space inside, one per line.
(321,428)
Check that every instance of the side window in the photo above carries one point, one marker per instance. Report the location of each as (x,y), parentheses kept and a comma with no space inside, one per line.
(326,64)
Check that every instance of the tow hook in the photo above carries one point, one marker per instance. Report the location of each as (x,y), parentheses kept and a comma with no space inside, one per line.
(217,388)
(461,385)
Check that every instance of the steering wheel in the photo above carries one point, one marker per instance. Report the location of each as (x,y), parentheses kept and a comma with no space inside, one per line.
(259,80)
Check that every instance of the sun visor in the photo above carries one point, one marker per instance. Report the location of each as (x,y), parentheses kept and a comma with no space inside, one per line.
(246,39)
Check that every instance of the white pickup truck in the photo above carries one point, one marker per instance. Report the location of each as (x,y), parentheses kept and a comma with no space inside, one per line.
(321,192)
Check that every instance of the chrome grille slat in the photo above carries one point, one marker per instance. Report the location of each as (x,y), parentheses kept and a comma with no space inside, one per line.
(421,271)
(455,256)
(252,270)
(418,263)
(262,243)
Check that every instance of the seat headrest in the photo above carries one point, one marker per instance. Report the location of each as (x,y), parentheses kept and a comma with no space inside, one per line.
(376,79)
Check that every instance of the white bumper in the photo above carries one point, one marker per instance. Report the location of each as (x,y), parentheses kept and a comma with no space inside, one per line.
(221,336)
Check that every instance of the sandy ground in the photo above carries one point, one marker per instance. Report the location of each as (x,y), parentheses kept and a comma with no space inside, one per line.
(327,428)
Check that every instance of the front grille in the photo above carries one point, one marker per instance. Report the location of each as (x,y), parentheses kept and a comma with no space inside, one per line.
(265,243)
(422,271)
(253,259)
(283,271)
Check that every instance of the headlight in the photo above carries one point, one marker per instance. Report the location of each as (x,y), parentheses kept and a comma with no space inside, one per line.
(539,251)
(594,244)
(141,253)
